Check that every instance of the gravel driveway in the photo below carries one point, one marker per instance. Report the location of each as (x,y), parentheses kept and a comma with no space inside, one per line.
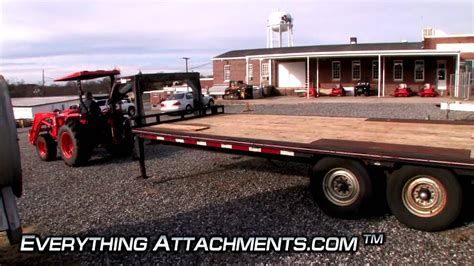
(200,193)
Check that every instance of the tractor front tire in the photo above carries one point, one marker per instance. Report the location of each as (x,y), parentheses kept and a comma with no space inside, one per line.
(74,144)
(46,147)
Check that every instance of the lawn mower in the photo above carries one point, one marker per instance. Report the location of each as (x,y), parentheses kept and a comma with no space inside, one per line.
(403,91)
(338,91)
(312,93)
(362,88)
(427,91)
(78,131)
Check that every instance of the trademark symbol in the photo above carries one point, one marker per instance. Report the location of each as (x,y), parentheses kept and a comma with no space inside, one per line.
(373,239)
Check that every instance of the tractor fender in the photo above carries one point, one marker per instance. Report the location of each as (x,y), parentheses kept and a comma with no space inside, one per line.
(10,164)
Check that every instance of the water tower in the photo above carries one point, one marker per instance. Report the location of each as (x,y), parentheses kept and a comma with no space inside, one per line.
(279,22)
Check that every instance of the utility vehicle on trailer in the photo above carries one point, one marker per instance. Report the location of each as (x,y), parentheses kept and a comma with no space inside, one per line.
(425,171)
(78,131)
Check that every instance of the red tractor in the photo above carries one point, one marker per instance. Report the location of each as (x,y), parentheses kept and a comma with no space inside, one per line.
(78,131)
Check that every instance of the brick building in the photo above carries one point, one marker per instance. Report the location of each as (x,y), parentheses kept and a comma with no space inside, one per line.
(443,61)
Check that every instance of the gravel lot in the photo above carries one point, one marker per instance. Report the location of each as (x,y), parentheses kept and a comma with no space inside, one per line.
(199,193)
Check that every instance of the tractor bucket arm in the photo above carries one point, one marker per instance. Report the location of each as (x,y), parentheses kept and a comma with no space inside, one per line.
(40,119)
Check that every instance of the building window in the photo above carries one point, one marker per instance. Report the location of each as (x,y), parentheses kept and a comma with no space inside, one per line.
(419,70)
(265,71)
(250,72)
(355,70)
(398,70)
(336,70)
(375,70)
(226,72)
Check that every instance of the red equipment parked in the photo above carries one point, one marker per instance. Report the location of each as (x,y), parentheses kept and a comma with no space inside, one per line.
(312,93)
(76,132)
(427,91)
(338,91)
(403,91)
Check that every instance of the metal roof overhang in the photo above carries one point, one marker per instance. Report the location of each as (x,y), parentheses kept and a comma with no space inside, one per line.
(421,52)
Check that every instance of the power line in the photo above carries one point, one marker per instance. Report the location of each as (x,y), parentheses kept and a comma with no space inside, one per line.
(198,66)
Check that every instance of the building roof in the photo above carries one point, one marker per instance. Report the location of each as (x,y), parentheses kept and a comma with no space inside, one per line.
(324,48)
(38,101)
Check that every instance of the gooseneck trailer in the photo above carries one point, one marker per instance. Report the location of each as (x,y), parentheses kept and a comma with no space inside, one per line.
(426,166)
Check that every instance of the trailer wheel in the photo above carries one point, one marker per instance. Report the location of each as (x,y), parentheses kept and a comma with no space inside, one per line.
(46,147)
(341,187)
(73,144)
(424,198)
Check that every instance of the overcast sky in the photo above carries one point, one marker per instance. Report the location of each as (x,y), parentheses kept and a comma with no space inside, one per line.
(62,36)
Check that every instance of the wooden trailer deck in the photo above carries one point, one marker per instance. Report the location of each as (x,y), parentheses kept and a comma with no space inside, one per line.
(440,140)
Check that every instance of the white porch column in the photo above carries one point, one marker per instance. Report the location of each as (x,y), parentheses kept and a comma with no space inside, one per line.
(457,91)
(269,72)
(307,77)
(383,77)
(378,80)
(260,72)
(247,70)
(317,75)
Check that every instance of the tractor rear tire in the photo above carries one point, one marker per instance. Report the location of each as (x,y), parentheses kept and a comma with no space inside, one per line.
(46,147)
(74,144)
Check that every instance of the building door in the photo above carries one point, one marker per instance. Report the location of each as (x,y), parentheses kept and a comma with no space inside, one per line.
(441,75)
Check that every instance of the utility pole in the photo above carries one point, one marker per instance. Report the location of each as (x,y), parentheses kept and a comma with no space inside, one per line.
(186,59)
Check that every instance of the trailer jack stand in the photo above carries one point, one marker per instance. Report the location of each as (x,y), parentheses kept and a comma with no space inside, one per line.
(141,157)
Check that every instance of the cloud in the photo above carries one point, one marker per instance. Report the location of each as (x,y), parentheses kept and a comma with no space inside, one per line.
(72,35)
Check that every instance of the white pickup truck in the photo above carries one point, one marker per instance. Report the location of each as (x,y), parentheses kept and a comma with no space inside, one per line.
(126,106)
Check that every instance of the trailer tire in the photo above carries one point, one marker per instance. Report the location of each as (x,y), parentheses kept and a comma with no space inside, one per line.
(424,198)
(341,187)
(46,147)
(74,144)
